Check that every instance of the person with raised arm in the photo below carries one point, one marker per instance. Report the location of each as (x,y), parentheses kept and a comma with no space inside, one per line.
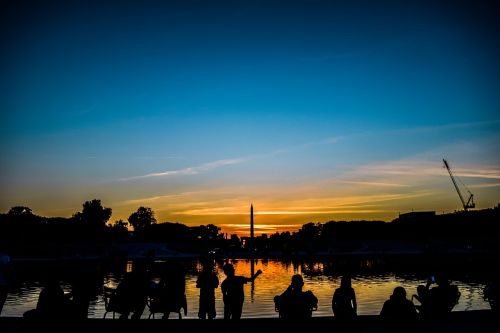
(232,291)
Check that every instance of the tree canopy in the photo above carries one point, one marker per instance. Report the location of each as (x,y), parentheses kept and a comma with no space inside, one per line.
(94,214)
(142,218)
(20,210)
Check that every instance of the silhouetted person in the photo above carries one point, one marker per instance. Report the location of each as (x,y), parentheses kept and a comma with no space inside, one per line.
(232,292)
(4,262)
(344,304)
(491,293)
(207,282)
(131,293)
(84,288)
(172,289)
(295,303)
(51,302)
(422,297)
(441,299)
(399,313)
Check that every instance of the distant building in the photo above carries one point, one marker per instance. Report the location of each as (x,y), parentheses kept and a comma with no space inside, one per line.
(416,216)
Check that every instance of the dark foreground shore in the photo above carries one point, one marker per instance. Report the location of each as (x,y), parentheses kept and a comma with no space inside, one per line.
(469,321)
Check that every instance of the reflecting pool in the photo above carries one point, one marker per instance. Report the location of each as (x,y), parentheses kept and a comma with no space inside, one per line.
(373,281)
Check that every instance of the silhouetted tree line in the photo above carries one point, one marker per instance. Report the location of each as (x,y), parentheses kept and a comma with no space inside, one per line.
(89,232)
(24,231)
(468,230)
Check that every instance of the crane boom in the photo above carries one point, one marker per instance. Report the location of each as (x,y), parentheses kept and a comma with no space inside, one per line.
(470,201)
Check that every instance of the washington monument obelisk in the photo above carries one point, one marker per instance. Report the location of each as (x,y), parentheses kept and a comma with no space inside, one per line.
(252,249)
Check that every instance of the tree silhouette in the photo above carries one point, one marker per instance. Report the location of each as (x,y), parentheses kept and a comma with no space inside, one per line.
(93,215)
(118,230)
(20,210)
(143,217)
(120,224)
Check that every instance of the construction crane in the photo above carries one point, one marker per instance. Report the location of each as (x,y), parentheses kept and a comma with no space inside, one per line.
(470,201)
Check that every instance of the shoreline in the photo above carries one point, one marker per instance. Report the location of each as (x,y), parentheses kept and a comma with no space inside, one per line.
(364,254)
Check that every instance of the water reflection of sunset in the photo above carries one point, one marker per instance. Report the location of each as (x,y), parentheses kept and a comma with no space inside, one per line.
(371,290)
(372,287)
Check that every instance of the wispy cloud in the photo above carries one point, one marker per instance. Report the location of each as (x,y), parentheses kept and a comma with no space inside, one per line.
(363,204)
(159,197)
(444,127)
(424,168)
(220,163)
(375,184)
(485,185)
(298,147)
(189,170)
(243,229)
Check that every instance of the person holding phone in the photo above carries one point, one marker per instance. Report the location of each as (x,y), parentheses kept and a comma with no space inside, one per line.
(422,296)
(438,301)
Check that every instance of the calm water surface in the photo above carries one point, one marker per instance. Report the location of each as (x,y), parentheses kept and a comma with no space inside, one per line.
(372,286)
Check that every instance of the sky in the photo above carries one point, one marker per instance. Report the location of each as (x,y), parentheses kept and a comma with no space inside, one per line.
(312,111)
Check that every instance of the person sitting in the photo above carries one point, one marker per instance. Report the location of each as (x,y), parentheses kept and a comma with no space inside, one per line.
(131,294)
(344,304)
(172,290)
(422,297)
(51,303)
(295,303)
(442,298)
(398,310)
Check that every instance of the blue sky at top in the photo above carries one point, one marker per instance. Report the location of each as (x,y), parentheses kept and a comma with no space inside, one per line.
(95,94)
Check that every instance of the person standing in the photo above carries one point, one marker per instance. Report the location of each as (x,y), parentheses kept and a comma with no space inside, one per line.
(207,282)
(232,292)
(344,304)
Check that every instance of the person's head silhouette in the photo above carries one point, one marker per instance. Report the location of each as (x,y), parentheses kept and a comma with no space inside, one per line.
(208,265)
(442,280)
(399,294)
(297,282)
(345,282)
(228,270)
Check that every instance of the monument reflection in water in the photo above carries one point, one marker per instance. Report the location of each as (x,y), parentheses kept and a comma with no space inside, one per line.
(372,281)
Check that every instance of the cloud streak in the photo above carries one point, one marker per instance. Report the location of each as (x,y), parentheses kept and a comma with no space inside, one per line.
(314,206)
(159,197)
(421,168)
(375,184)
(189,170)
(220,163)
